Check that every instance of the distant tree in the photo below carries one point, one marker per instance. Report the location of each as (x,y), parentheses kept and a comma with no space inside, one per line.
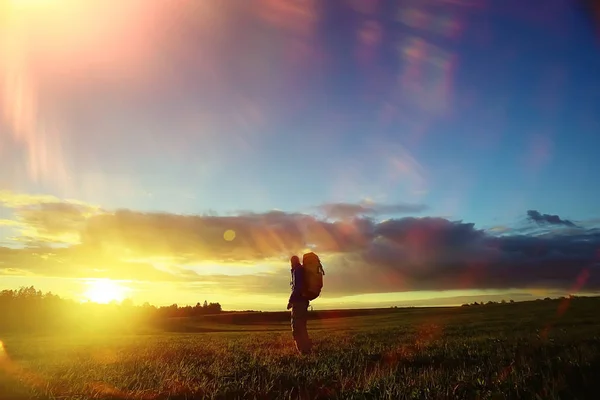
(503,301)
(213,308)
(512,301)
(205,304)
(127,303)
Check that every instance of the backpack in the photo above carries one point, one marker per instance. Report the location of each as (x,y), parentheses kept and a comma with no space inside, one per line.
(313,276)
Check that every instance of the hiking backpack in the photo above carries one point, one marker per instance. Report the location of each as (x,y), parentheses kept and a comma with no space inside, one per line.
(313,276)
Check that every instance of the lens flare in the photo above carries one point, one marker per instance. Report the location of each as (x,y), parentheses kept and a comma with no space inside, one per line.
(47,47)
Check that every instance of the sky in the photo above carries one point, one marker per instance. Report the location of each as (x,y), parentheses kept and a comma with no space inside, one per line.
(431,152)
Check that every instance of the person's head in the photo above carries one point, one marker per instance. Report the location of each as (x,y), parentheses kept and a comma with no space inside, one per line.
(295,262)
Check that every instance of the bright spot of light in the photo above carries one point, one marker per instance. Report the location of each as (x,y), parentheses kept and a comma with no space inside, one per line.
(104,291)
(229,235)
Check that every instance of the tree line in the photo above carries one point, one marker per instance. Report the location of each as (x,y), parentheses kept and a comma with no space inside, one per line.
(30,310)
(489,303)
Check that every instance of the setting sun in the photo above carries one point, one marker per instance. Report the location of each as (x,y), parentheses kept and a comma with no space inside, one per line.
(104,291)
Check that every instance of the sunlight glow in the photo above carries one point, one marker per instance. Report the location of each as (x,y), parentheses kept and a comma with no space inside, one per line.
(55,42)
(105,291)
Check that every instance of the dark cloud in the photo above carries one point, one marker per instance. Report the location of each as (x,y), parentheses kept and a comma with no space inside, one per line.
(361,254)
(436,254)
(479,262)
(536,216)
(350,210)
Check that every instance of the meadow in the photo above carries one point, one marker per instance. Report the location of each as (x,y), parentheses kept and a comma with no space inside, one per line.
(547,349)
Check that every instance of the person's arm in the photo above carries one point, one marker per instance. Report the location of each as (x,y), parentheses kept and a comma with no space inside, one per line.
(297,282)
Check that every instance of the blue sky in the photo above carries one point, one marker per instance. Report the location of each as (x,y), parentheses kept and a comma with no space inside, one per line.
(479,111)
(527,88)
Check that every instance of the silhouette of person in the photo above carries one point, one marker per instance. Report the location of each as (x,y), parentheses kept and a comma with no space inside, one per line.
(299,306)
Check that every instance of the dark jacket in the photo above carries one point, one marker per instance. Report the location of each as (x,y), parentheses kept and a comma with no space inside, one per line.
(297,285)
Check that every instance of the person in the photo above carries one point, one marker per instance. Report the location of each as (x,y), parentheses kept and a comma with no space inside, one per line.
(299,306)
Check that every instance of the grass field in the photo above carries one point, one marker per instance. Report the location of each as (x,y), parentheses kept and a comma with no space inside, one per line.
(534,350)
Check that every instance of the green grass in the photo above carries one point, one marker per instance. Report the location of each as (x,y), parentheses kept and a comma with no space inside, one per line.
(521,350)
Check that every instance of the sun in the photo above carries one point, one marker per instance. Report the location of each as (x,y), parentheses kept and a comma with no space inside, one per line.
(104,291)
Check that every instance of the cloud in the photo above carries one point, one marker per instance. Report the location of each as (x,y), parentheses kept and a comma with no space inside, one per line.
(541,219)
(350,210)
(83,262)
(54,222)
(360,254)
(274,234)
(257,236)
(46,219)
(11,199)
(8,222)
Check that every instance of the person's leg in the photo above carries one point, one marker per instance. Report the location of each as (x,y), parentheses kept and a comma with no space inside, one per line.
(307,341)
(299,332)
